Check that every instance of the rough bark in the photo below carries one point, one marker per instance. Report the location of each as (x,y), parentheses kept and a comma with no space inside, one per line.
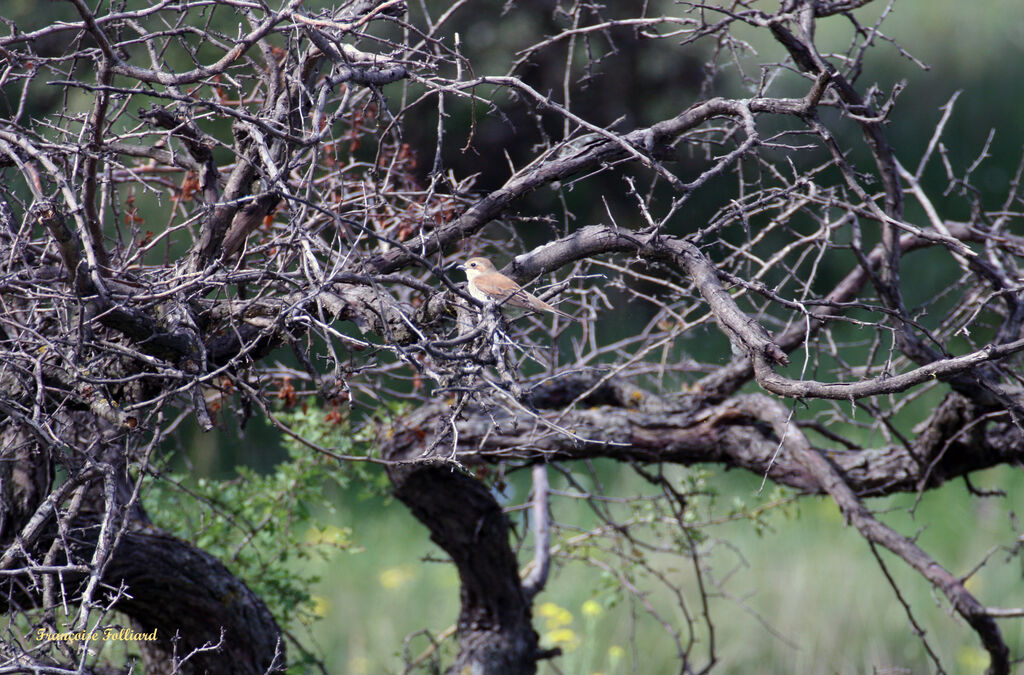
(494,626)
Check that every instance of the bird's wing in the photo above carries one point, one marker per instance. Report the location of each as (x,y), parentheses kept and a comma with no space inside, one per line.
(505,291)
(500,289)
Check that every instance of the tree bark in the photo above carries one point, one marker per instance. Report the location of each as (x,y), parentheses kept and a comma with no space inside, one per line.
(494,627)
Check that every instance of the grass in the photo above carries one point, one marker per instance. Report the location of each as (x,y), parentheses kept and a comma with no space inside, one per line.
(802,572)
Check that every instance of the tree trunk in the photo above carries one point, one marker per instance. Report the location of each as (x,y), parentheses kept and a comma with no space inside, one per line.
(494,629)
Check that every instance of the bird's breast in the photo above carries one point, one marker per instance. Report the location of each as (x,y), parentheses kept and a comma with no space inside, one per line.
(476,292)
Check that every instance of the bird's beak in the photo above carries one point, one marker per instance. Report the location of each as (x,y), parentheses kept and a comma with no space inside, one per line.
(460,266)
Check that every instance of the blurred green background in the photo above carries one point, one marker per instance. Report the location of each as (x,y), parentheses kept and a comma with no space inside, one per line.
(801,571)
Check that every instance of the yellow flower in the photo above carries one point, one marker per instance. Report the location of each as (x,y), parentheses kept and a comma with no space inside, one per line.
(320,606)
(395,577)
(564,637)
(547,609)
(615,653)
(591,608)
(556,616)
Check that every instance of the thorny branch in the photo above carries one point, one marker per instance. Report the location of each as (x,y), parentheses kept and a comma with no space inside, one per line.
(244,179)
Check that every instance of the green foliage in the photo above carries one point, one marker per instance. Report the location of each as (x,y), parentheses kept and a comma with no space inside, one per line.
(331,429)
(270,529)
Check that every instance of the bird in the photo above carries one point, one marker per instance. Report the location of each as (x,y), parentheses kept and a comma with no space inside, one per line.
(487,284)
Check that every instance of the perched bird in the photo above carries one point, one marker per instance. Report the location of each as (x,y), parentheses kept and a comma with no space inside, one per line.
(489,285)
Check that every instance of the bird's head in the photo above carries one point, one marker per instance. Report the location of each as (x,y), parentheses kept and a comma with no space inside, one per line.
(476,266)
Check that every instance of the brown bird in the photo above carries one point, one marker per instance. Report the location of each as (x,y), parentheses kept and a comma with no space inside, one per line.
(489,285)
